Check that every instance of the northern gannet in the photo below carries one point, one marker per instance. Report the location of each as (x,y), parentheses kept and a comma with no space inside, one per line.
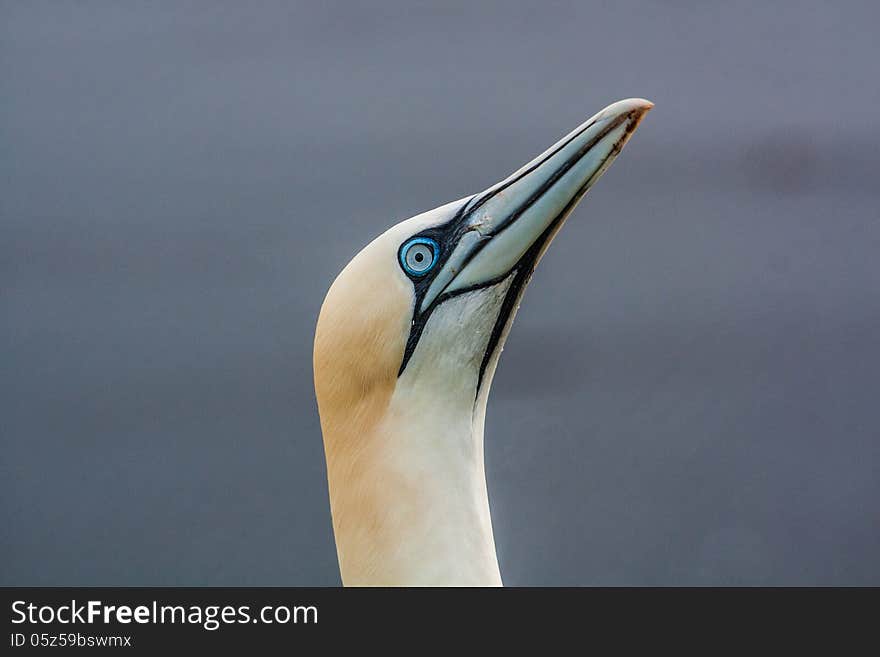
(406,345)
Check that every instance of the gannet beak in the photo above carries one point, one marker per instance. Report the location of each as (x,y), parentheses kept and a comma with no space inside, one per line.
(510,224)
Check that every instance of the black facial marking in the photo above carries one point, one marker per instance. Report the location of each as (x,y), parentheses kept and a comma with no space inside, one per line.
(447,235)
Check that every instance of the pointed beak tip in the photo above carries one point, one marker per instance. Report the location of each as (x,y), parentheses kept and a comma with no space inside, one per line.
(631,111)
(643,105)
(636,107)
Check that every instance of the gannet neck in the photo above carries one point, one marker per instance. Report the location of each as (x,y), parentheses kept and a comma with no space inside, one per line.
(435,527)
(420,519)
(411,506)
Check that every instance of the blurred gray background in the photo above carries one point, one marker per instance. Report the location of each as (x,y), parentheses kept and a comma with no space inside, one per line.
(689,394)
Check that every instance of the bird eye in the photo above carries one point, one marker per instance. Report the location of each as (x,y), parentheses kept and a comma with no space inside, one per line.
(419,255)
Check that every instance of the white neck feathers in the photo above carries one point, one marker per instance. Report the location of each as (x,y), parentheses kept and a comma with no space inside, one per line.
(408,487)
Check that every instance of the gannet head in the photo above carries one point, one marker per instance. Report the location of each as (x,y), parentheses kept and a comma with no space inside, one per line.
(405,350)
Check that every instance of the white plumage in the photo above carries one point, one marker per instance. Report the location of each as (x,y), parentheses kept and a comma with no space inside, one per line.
(405,350)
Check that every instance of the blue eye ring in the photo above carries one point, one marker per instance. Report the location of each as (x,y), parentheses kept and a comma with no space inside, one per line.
(409,260)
